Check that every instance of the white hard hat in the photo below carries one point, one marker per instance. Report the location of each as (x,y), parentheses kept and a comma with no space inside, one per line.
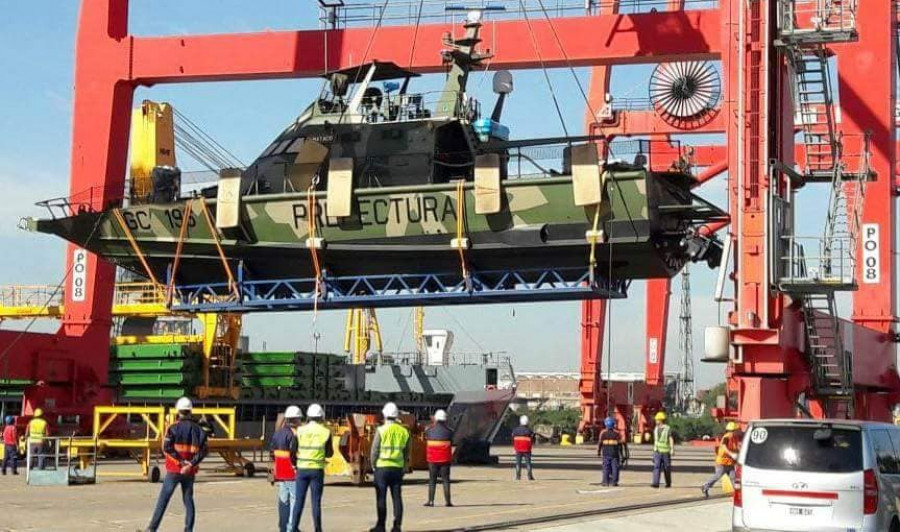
(293,412)
(523,420)
(390,411)
(315,410)
(184,405)
(440,415)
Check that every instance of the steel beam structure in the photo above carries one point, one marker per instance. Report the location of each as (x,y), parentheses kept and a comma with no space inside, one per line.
(397,290)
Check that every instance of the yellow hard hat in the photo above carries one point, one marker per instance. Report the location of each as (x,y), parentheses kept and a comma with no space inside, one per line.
(731,426)
(660,416)
(38,413)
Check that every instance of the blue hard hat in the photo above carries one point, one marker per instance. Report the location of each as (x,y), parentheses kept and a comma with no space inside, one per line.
(10,420)
(610,422)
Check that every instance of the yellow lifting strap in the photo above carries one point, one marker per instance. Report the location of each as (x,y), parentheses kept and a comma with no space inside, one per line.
(312,242)
(137,250)
(170,289)
(232,284)
(594,236)
(461,243)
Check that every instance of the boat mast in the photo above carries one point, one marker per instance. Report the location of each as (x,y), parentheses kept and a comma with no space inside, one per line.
(461,56)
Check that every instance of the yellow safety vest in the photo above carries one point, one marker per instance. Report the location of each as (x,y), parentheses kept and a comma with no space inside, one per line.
(311,441)
(661,439)
(393,439)
(37,430)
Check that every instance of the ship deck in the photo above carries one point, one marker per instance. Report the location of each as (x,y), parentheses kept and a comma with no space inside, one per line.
(567,494)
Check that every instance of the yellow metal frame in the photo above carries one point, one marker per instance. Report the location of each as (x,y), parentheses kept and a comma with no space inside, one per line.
(130,300)
(146,450)
(159,339)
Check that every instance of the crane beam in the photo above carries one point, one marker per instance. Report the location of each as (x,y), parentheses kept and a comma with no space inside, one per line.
(615,39)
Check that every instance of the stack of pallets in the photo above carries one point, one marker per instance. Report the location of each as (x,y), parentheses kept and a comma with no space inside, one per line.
(290,375)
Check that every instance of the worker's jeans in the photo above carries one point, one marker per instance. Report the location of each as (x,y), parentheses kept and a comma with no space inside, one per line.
(287,501)
(523,457)
(312,480)
(435,471)
(11,458)
(37,455)
(662,462)
(721,471)
(389,478)
(172,481)
(610,470)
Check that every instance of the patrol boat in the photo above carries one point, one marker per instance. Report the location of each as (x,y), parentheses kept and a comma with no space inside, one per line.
(373,180)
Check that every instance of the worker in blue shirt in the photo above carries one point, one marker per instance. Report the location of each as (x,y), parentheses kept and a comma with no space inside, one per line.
(283,450)
(185,447)
(611,449)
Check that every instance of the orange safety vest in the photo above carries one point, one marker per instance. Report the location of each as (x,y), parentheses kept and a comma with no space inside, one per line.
(728,443)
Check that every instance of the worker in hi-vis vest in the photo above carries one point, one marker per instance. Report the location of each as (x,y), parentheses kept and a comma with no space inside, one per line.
(663,448)
(314,448)
(36,432)
(439,454)
(185,446)
(390,454)
(523,439)
(726,456)
(283,451)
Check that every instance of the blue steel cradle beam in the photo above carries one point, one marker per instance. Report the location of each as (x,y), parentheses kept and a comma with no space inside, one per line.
(399,290)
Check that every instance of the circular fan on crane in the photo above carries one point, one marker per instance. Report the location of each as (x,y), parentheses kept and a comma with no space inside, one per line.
(685,93)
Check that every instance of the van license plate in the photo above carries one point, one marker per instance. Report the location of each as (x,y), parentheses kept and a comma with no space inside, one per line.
(800,511)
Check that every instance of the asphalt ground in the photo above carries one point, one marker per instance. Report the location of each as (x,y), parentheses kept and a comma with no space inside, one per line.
(567,493)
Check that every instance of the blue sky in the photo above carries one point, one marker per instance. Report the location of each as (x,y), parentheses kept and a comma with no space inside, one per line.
(36,53)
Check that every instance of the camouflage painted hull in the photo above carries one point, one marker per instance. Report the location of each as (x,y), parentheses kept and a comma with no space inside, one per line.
(402,229)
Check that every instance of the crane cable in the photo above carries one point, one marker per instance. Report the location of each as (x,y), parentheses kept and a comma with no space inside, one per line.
(412,50)
(540,56)
(202,147)
(562,49)
(609,331)
(366,54)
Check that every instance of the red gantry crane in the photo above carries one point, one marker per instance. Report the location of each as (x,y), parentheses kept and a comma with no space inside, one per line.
(770,51)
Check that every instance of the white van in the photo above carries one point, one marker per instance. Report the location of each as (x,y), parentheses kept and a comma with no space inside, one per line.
(818,475)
